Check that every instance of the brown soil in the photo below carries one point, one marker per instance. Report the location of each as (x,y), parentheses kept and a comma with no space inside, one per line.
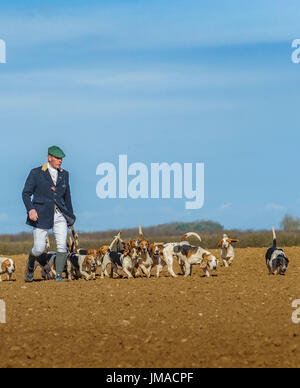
(241,318)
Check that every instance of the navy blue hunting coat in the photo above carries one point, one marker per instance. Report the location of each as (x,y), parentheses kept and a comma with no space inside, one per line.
(46,195)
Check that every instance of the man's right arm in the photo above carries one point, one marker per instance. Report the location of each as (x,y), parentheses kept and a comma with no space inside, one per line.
(28,191)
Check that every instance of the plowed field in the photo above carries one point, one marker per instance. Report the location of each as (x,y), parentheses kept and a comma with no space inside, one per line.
(240,318)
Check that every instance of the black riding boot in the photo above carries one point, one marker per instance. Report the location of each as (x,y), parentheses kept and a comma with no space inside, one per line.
(30,267)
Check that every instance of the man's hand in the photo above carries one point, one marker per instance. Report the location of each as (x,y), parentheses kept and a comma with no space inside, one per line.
(33,216)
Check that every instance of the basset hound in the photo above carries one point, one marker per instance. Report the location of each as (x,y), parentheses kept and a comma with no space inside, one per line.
(7,267)
(227,251)
(190,256)
(127,262)
(276,260)
(81,265)
(169,253)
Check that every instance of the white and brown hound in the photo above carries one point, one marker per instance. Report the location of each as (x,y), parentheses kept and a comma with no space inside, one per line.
(190,256)
(157,255)
(150,255)
(81,265)
(112,258)
(45,262)
(127,262)
(7,267)
(227,251)
(169,253)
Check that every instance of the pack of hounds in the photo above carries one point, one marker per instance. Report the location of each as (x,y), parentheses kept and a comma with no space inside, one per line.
(137,257)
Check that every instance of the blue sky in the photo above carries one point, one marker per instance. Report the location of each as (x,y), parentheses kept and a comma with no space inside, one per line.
(160,81)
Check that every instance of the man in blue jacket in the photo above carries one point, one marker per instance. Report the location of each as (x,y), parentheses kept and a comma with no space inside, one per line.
(47,198)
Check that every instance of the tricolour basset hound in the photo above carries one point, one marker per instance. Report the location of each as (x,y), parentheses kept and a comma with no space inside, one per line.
(276,260)
(190,256)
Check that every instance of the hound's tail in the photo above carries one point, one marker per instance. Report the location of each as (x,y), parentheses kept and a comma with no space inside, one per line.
(190,234)
(274,238)
(141,234)
(115,240)
(119,242)
(47,244)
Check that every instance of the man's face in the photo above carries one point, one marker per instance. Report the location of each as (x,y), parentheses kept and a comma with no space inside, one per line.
(54,162)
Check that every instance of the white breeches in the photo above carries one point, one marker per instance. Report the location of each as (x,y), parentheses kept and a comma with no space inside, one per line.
(60,230)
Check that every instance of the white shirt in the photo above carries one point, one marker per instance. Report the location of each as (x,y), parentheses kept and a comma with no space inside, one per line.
(54,173)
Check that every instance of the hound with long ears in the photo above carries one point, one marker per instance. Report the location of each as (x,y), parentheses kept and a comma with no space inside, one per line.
(81,265)
(95,255)
(190,256)
(169,254)
(227,251)
(7,267)
(157,256)
(46,262)
(112,258)
(276,260)
(145,261)
(150,255)
(184,241)
(100,257)
(127,263)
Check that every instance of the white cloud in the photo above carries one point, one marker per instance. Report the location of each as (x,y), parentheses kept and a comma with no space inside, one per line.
(225,206)
(275,207)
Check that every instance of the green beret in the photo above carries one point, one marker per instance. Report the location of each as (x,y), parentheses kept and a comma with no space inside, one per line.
(56,152)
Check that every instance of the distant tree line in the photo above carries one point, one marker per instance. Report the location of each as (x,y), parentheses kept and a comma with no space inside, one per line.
(211,232)
(290,223)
